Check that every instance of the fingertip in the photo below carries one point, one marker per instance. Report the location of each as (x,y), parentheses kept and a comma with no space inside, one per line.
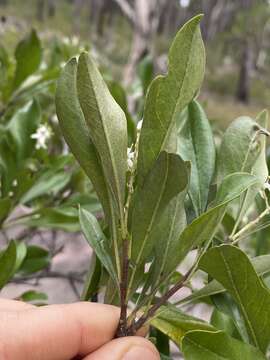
(127,348)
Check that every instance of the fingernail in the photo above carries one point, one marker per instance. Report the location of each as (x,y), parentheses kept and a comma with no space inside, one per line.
(139,352)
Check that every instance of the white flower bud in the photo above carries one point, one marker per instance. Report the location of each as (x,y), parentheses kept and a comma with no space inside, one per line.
(139,125)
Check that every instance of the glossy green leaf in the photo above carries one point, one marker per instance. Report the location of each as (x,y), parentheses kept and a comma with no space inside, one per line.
(166,180)
(196,144)
(28,56)
(76,132)
(7,263)
(205,345)
(261,265)
(175,324)
(203,228)
(97,240)
(36,259)
(232,268)
(168,95)
(107,125)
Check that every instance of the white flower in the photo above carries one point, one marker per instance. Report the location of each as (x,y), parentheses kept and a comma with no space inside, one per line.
(11,193)
(66,40)
(42,135)
(139,125)
(54,119)
(15,183)
(267,186)
(130,158)
(75,40)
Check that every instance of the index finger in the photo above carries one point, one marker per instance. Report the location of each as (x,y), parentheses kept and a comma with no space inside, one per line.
(57,332)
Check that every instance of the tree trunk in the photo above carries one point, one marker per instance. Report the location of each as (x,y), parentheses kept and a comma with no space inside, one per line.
(40,10)
(78,5)
(243,87)
(51,8)
(147,14)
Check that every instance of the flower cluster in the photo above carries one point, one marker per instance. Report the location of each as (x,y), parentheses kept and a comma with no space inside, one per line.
(42,135)
(130,158)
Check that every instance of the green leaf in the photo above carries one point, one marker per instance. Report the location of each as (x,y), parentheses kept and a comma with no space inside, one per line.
(5,207)
(146,72)
(91,285)
(15,143)
(166,236)
(28,56)
(175,324)
(205,345)
(165,181)
(261,265)
(120,97)
(224,322)
(7,263)
(203,228)
(76,132)
(48,183)
(33,296)
(196,144)
(97,240)
(162,341)
(63,218)
(21,251)
(107,125)
(22,125)
(169,95)
(241,145)
(37,258)
(245,286)
(259,167)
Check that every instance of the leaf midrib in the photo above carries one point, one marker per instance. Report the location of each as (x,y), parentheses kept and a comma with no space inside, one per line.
(167,134)
(148,230)
(239,298)
(109,148)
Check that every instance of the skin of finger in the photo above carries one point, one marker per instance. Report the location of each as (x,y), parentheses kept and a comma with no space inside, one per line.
(118,348)
(14,305)
(56,332)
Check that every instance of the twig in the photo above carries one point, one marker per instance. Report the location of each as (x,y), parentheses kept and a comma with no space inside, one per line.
(237,236)
(121,331)
(163,299)
(122,327)
(151,312)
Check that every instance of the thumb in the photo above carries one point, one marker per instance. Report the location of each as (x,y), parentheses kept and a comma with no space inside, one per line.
(128,348)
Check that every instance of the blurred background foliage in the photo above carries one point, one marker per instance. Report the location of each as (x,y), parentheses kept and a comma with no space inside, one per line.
(123,32)
(41,184)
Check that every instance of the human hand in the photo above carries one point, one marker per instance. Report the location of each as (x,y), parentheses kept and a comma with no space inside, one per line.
(63,332)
